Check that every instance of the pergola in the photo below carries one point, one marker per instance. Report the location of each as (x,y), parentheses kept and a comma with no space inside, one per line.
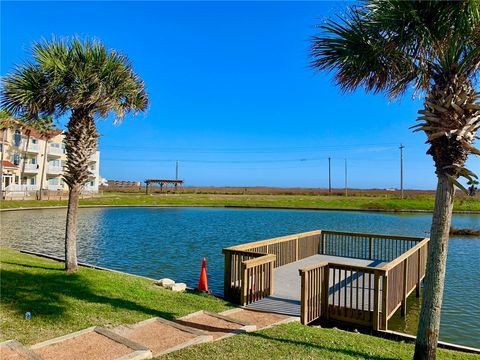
(163,183)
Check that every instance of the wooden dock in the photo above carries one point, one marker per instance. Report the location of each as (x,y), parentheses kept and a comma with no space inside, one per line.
(360,279)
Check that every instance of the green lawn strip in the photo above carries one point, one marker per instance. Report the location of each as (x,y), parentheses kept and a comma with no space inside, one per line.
(61,303)
(295,341)
(383,202)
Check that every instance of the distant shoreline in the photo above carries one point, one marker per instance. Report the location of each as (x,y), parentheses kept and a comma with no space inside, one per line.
(474,212)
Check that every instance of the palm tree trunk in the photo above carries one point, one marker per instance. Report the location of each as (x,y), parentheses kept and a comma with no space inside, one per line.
(432,297)
(80,143)
(71,230)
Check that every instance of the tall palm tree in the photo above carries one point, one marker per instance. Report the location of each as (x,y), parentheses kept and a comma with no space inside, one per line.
(86,81)
(391,46)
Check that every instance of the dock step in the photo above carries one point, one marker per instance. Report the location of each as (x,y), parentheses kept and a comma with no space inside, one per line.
(162,336)
(216,325)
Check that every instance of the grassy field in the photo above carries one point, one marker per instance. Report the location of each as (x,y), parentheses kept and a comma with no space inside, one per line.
(61,303)
(361,201)
(295,341)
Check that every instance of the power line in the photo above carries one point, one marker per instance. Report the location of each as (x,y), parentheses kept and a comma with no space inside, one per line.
(282,149)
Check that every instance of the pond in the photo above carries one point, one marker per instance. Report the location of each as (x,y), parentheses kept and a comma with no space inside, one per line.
(170,242)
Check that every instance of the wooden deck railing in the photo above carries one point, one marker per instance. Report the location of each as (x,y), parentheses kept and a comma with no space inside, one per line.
(363,295)
(248,281)
(365,246)
(348,293)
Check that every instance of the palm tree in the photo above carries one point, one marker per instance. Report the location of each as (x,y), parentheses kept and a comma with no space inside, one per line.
(432,47)
(86,81)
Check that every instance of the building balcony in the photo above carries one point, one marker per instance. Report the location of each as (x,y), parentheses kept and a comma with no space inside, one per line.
(55,151)
(33,148)
(18,188)
(51,169)
(31,168)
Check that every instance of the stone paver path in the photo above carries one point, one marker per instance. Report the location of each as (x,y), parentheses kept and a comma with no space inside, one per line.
(152,337)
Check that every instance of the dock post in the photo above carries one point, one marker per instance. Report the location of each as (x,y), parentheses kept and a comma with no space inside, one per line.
(271,279)
(376,312)
(304,298)
(326,289)
(370,245)
(417,287)
(384,323)
(227,281)
(403,309)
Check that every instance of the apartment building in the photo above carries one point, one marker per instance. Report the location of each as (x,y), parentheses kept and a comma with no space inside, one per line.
(32,161)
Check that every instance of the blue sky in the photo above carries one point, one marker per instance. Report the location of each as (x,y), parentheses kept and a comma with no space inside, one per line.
(232,96)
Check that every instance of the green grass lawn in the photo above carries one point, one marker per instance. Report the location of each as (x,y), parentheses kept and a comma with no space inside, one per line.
(373,201)
(295,341)
(61,303)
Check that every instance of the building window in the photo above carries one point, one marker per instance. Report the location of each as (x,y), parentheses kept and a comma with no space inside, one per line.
(32,181)
(92,183)
(16,159)
(17,138)
(54,162)
(33,160)
(34,141)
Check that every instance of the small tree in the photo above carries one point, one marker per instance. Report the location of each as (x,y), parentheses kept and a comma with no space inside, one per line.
(433,47)
(472,188)
(86,81)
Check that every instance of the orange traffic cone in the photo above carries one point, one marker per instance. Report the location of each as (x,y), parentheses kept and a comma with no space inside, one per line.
(203,282)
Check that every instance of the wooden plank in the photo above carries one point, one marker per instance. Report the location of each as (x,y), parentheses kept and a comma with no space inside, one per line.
(303,299)
(227,281)
(383,325)
(376,313)
(259,261)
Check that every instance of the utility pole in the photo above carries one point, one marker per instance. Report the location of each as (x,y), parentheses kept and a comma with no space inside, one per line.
(176,170)
(329,175)
(346,184)
(401,170)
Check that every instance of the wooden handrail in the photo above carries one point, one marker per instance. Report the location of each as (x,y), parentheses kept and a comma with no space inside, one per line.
(259,243)
(312,267)
(244,252)
(360,268)
(259,260)
(375,236)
